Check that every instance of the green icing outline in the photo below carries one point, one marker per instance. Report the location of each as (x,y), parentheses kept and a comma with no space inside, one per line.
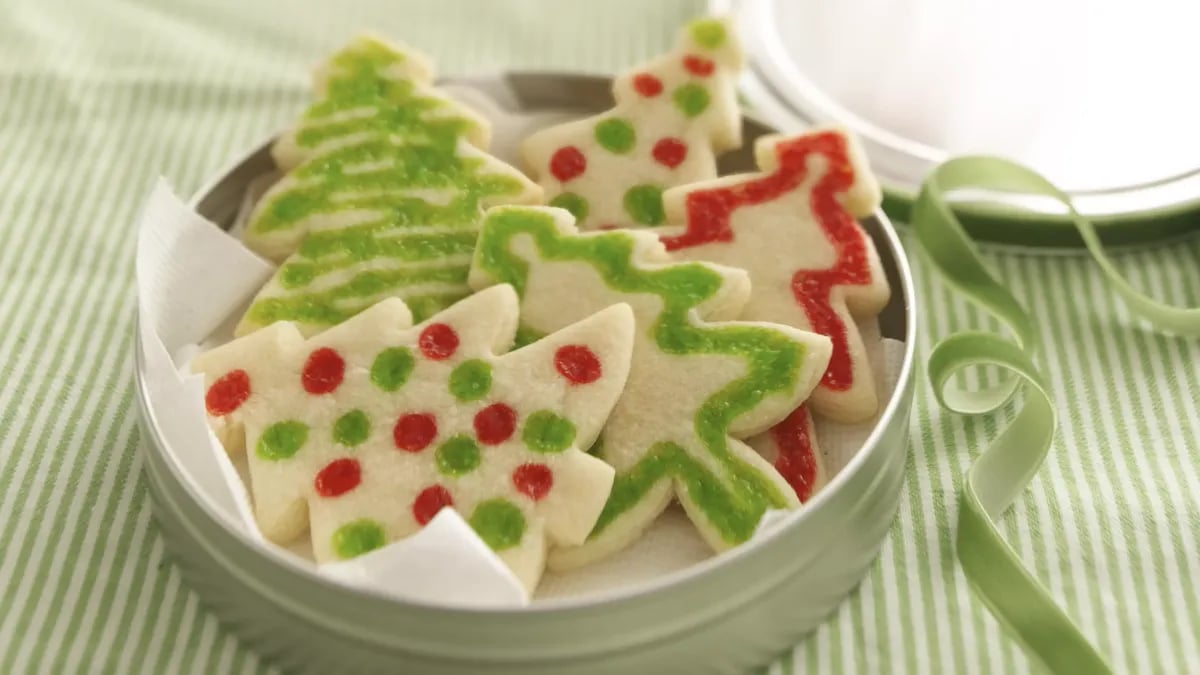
(734,507)
(419,134)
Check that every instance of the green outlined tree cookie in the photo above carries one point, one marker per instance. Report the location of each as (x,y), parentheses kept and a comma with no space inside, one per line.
(793,226)
(385,187)
(697,382)
(361,434)
(672,114)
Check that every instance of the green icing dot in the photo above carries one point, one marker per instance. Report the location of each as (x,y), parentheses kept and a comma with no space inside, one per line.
(458,456)
(691,99)
(548,432)
(644,204)
(572,202)
(499,523)
(352,428)
(358,537)
(708,33)
(471,380)
(281,440)
(616,135)
(392,367)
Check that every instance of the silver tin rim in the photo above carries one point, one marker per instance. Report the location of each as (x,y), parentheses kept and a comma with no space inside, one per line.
(584,93)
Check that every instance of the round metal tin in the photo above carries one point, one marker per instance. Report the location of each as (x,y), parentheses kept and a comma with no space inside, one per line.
(728,614)
(798,77)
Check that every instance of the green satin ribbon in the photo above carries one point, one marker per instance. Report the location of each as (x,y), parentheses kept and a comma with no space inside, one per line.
(1015,598)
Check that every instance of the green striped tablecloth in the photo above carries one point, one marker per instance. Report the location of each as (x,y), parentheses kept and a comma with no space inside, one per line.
(97,98)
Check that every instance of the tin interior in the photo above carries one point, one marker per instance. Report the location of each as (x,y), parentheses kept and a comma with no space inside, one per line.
(575,95)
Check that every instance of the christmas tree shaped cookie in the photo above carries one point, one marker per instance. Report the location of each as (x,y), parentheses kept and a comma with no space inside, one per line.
(696,385)
(671,115)
(794,228)
(386,184)
(365,431)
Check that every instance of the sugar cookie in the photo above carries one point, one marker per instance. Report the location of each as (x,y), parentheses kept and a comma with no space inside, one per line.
(697,382)
(363,432)
(672,114)
(794,228)
(385,187)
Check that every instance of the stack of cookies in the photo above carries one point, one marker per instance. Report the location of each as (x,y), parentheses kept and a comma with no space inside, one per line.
(436,337)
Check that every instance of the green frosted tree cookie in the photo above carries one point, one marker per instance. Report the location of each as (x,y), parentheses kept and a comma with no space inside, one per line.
(698,382)
(384,190)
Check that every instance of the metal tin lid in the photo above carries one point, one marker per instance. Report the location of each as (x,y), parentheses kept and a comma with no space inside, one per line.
(1096,97)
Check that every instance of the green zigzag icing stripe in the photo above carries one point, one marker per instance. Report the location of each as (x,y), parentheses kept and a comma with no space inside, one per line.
(735,504)
(370,116)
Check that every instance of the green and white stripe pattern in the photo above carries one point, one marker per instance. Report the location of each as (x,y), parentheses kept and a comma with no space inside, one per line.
(98,98)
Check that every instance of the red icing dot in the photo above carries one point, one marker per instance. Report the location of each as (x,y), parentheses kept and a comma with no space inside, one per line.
(431,500)
(647,85)
(697,65)
(533,480)
(670,152)
(338,477)
(567,163)
(323,371)
(228,393)
(438,341)
(578,364)
(495,423)
(415,431)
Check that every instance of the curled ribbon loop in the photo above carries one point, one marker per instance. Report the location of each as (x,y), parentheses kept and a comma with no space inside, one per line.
(1017,600)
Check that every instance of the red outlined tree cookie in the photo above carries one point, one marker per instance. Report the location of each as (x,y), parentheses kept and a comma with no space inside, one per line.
(794,228)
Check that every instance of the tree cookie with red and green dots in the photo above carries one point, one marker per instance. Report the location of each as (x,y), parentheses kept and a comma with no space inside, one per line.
(364,432)
(794,227)
(672,115)
(697,384)
(386,182)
